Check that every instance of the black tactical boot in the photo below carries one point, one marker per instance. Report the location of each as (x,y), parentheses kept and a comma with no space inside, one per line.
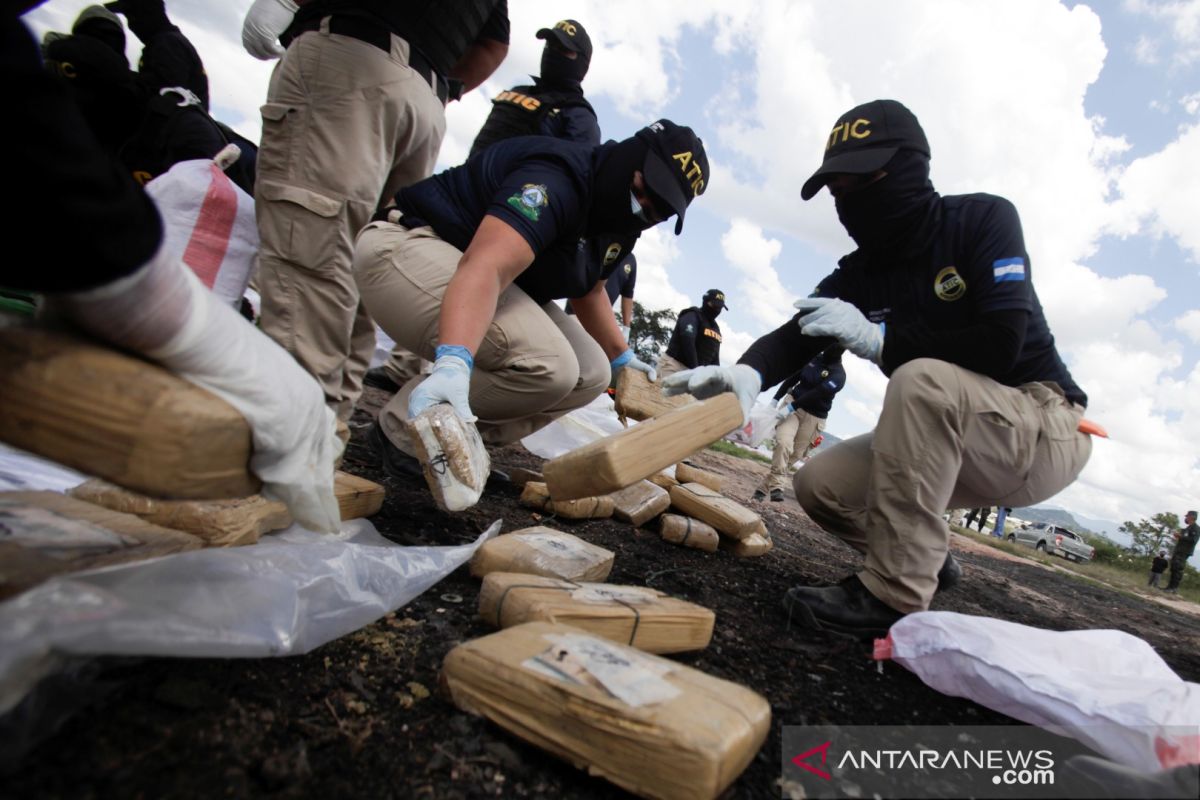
(847,608)
(396,463)
(378,377)
(777,495)
(949,575)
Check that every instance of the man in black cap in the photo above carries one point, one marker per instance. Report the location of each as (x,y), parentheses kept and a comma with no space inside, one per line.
(1185,545)
(553,106)
(696,340)
(980,409)
(168,57)
(465,268)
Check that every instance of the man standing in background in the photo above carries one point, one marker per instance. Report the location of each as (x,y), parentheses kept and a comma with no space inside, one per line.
(355,111)
(696,341)
(1185,545)
(804,403)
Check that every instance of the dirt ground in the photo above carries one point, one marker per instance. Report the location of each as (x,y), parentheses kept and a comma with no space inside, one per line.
(363,717)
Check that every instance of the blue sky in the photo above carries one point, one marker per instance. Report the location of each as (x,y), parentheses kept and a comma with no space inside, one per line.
(1087,116)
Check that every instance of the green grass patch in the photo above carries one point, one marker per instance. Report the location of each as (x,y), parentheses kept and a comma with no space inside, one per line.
(731,449)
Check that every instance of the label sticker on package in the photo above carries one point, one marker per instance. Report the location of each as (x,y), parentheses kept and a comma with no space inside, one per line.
(557,546)
(603,593)
(627,675)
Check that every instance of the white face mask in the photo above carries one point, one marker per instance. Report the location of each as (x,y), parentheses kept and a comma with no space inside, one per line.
(635,208)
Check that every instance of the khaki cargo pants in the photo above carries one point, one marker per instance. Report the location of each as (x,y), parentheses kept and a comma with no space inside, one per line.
(345,125)
(793,439)
(947,437)
(535,363)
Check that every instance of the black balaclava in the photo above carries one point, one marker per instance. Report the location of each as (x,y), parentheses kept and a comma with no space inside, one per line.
(611,208)
(561,72)
(145,17)
(712,309)
(897,212)
(105,30)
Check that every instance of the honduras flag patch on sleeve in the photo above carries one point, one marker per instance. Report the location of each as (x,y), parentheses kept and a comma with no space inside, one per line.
(1008,269)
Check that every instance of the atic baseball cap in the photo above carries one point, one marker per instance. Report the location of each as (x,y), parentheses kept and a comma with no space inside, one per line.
(676,166)
(864,139)
(715,295)
(571,35)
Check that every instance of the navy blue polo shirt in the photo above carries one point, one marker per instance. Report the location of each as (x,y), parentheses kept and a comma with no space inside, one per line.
(538,186)
(979,264)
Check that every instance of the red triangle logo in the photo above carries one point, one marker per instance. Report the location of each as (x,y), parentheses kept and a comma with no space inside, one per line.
(800,760)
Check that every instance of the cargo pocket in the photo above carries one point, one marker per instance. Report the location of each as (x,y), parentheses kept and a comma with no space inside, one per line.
(281,130)
(303,226)
(998,452)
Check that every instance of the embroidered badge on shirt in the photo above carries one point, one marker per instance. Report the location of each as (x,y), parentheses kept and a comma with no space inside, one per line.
(949,285)
(531,200)
(1008,269)
(612,253)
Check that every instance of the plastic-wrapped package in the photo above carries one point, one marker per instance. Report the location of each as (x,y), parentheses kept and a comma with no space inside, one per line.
(634,615)
(652,726)
(727,516)
(640,503)
(1106,688)
(687,472)
(759,428)
(536,495)
(754,545)
(452,456)
(543,551)
(683,530)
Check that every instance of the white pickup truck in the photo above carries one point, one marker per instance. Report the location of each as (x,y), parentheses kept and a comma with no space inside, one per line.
(1054,539)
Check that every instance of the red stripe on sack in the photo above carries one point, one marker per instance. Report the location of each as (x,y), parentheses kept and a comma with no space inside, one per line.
(210,238)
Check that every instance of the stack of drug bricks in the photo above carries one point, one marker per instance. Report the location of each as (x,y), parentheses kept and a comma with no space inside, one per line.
(171,462)
(623,475)
(577,669)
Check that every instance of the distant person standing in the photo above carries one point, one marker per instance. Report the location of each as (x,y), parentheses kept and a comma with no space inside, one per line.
(1185,545)
(696,341)
(981,513)
(1158,567)
(1001,514)
(804,403)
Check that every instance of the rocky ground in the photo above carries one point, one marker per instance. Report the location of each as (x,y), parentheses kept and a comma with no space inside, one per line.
(363,716)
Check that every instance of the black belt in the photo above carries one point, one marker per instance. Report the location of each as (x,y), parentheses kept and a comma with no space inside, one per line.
(446,89)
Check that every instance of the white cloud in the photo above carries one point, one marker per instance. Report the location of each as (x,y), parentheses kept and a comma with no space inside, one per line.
(1161,192)
(1181,19)
(1189,325)
(759,292)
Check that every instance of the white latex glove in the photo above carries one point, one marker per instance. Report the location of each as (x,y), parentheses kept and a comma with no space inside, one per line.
(265,20)
(450,382)
(829,316)
(706,382)
(628,359)
(624,332)
(784,408)
(163,311)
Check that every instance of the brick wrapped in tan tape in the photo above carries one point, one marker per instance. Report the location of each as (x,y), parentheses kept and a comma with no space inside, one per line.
(118,417)
(727,516)
(47,533)
(228,523)
(687,472)
(535,495)
(640,503)
(634,615)
(679,529)
(543,551)
(756,544)
(652,726)
(628,456)
(663,480)
(637,398)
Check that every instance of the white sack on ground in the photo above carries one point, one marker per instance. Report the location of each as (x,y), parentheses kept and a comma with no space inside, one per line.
(288,594)
(1106,688)
(583,425)
(759,428)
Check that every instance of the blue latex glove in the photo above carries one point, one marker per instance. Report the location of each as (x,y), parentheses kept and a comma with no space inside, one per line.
(628,359)
(706,382)
(450,382)
(829,316)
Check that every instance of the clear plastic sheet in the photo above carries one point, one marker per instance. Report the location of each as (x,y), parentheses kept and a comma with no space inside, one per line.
(290,593)
(583,425)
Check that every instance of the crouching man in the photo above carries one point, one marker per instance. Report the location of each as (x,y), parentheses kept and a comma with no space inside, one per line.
(980,409)
(465,269)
